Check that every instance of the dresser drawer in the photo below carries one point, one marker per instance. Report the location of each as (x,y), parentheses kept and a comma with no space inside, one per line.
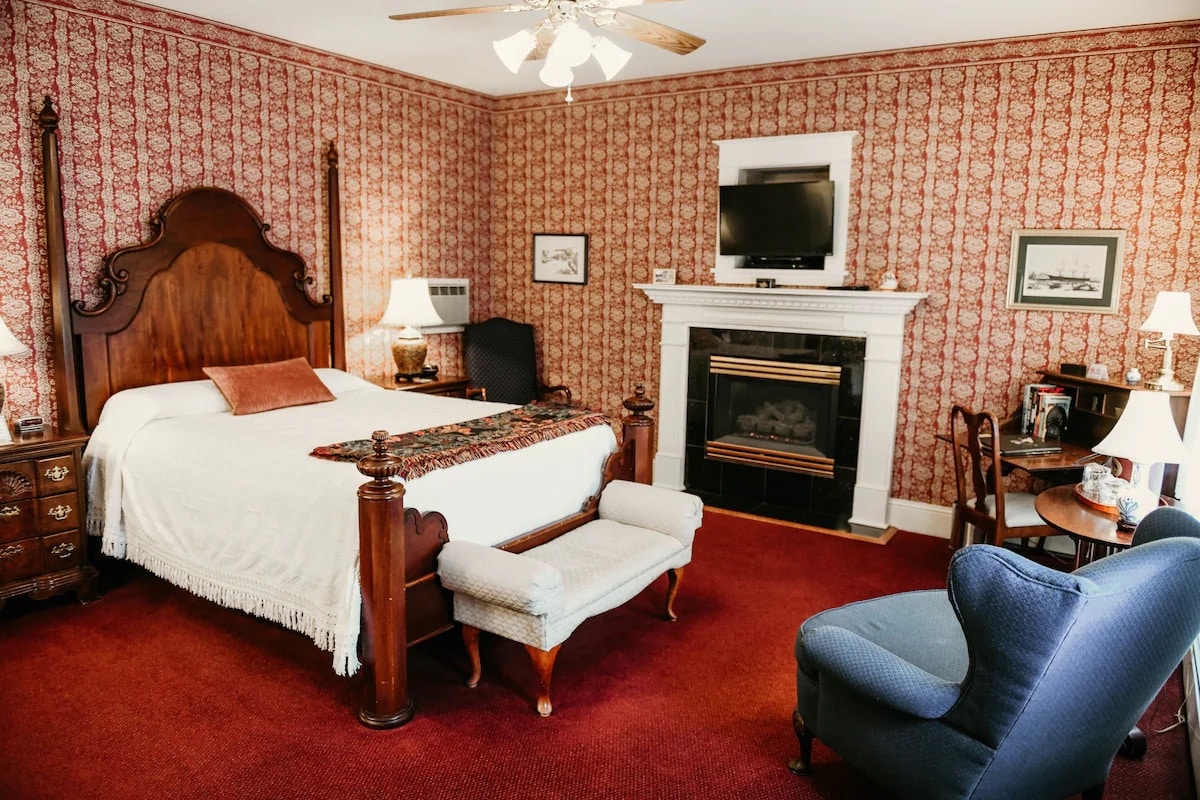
(55,475)
(17,520)
(58,513)
(61,551)
(20,559)
(16,481)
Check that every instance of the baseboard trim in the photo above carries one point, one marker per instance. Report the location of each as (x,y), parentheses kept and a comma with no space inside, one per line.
(931,520)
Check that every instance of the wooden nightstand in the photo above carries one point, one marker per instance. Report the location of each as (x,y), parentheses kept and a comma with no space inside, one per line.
(43,519)
(449,386)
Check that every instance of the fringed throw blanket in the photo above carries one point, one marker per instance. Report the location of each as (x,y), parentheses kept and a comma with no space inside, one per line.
(437,448)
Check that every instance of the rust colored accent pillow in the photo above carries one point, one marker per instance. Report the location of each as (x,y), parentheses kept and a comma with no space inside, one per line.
(263,387)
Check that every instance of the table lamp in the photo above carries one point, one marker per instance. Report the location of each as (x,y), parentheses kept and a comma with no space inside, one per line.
(1145,434)
(9,346)
(408,309)
(1171,315)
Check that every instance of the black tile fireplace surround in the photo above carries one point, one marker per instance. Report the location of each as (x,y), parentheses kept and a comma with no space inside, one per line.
(769,492)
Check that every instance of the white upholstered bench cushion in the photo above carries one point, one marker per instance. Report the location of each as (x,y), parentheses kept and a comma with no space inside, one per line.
(601,564)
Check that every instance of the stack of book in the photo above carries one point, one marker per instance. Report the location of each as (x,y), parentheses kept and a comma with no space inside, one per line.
(1045,410)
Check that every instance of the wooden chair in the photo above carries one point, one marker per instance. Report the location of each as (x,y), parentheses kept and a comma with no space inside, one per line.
(981,500)
(500,358)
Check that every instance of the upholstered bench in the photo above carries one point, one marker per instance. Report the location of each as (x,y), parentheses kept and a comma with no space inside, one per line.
(540,596)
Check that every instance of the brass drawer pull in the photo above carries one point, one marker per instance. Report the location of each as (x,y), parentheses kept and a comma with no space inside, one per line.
(60,512)
(11,550)
(10,511)
(57,473)
(63,549)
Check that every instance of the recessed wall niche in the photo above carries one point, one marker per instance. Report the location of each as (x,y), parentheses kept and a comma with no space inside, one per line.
(740,158)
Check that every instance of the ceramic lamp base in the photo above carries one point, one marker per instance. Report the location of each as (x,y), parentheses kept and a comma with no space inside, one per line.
(5,433)
(409,355)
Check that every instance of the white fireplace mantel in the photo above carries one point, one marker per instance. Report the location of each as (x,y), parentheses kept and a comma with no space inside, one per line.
(877,316)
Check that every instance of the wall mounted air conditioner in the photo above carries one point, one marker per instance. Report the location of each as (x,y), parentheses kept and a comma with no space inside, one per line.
(452,300)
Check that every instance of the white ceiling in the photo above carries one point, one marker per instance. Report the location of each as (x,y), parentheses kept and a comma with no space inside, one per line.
(457,50)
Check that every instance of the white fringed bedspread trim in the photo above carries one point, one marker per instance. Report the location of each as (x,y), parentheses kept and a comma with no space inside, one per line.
(231,592)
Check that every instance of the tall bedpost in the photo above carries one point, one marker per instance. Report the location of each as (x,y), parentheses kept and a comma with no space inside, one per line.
(638,428)
(66,375)
(335,257)
(381,557)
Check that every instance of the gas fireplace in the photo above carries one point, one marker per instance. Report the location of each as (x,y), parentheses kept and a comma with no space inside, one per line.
(774,414)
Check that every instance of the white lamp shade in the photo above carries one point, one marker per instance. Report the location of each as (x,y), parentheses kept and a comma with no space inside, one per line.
(409,305)
(612,59)
(9,344)
(572,44)
(1172,313)
(512,50)
(1145,433)
(556,73)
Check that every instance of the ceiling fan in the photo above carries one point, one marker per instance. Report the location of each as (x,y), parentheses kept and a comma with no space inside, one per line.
(564,44)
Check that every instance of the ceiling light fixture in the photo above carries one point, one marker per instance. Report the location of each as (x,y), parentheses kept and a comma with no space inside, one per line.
(564,44)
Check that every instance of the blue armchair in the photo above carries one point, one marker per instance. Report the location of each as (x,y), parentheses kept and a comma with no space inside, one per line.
(1018,681)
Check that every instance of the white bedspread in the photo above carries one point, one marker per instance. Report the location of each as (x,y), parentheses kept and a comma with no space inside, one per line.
(234,509)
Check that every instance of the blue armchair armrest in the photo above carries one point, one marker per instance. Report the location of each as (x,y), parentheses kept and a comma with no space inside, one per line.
(879,674)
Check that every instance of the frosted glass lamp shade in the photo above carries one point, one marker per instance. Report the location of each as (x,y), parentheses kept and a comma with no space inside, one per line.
(408,309)
(612,59)
(1172,313)
(512,50)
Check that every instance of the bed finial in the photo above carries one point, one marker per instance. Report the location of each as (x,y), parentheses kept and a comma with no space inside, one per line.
(638,428)
(331,155)
(48,118)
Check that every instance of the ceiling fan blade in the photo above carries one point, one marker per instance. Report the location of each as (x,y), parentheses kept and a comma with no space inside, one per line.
(654,33)
(455,12)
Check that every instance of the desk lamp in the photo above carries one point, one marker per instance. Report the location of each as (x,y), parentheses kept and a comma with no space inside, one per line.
(9,346)
(1171,315)
(1145,434)
(408,309)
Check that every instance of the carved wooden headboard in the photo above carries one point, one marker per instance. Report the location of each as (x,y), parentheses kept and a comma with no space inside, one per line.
(208,289)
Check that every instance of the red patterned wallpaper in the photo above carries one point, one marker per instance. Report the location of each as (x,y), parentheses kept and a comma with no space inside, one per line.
(153,103)
(959,145)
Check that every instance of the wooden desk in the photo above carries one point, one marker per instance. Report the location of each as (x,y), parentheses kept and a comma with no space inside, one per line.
(1093,531)
(1070,458)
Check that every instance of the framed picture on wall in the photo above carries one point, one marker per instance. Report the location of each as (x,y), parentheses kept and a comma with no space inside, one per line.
(560,258)
(1066,270)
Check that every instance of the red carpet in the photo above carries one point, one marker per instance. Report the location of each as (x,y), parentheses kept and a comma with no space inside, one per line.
(152,693)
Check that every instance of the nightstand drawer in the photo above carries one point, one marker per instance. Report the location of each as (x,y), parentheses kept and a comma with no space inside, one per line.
(55,475)
(20,559)
(17,520)
(16,481)
(61,551)
(58,513)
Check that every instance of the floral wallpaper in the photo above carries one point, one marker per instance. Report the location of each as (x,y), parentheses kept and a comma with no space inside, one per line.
(153,103)
(958,146)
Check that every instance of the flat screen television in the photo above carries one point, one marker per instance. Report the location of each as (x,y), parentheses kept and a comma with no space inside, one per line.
(774,224)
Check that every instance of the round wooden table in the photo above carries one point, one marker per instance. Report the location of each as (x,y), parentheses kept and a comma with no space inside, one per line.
(1094,532)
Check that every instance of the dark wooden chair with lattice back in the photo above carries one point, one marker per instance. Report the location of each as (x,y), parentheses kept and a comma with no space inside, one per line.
(501,361)
(981,500)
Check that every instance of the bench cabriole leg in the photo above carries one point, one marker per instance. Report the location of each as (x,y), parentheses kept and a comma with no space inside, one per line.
(673,578)
(543,662)
(471,640)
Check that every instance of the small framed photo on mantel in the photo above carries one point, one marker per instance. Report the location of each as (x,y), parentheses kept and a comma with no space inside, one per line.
(560,258)
(1066,270)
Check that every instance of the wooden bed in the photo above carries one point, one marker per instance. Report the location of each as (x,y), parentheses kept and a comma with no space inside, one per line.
(209,289)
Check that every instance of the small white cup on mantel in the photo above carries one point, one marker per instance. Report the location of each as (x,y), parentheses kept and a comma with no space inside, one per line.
(888,282)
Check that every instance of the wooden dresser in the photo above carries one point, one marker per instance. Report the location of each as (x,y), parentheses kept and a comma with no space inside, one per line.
(43,535)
